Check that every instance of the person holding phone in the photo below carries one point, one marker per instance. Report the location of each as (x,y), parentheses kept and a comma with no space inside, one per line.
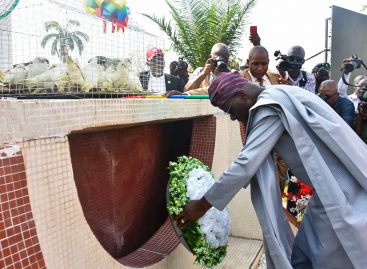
(254,36)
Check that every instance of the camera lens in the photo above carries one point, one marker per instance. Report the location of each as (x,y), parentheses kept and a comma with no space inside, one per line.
(182,65)
(322,72)
(222,66)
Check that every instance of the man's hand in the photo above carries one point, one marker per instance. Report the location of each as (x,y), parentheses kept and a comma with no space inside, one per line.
(192,212)
(284,81)
(344,62)
(255,39)
(169,93)
(199,81)
(208,67)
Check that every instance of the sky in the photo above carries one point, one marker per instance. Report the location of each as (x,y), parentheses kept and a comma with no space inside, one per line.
(280,24)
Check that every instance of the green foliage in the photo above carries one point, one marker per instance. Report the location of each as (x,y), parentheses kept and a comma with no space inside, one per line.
(178,171)
(64,38)
(199,24)
(235,63)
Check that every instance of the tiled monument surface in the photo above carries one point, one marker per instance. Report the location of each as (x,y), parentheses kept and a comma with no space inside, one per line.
(18,236)
(44,190)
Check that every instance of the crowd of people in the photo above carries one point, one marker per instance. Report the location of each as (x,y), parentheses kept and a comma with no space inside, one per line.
(289,72)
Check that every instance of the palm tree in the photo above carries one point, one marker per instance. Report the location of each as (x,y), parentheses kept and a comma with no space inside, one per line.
(199,24)
(64,38)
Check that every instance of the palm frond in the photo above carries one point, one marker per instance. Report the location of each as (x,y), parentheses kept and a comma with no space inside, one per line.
(82,35)
(64,38)
(78,42)
(53,25)
(198,24)
(71,22)
(235,26)
(70,42)
(182,25)
(47,38)
(54,48)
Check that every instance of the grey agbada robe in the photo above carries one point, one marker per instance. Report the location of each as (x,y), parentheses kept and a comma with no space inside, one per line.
(324,152)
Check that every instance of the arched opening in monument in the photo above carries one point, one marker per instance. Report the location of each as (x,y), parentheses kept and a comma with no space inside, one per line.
(121,177)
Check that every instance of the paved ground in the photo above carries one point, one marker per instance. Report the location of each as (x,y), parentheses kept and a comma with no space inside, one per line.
(262,262)
(241,253)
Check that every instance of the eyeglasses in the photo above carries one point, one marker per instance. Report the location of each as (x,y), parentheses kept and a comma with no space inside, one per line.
(326,97)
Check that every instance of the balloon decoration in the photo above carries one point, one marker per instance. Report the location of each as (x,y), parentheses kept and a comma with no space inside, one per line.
(115,11)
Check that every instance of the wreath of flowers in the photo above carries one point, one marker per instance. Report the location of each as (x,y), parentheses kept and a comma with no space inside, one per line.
(296,195)
(208,237)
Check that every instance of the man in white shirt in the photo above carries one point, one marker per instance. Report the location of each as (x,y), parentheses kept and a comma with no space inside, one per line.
(343,88)
(296,77)
(155,80)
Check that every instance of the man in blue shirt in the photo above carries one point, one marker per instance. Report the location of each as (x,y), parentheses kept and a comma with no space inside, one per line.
(344,107)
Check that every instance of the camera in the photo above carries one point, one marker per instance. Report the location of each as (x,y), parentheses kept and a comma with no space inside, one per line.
(289,62)
(321,70)
(220,63)
(181,64)
(179,69)
(352,64)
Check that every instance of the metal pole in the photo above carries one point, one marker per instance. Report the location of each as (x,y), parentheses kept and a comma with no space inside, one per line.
(326,38)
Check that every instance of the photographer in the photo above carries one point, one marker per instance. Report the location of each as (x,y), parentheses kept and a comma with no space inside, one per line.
(292,64)
(179,69)
(348,65)
(341,105)
(321,72)
(203,76)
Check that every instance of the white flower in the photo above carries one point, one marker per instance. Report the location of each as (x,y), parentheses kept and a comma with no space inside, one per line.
(293,179)
(214,224)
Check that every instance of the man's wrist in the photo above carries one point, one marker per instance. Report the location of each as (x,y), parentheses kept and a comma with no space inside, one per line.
(205,205)
(204,74)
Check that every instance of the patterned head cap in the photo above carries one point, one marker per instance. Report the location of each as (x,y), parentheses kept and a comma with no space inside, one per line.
(224,87)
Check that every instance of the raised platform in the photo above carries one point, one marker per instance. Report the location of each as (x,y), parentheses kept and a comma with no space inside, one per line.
(49,223)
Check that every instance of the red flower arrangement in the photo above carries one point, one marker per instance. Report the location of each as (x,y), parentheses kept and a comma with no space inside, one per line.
(297,194)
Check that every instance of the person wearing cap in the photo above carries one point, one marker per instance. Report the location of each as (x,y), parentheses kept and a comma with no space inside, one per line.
(307,134)
(296,77)
(155,79)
